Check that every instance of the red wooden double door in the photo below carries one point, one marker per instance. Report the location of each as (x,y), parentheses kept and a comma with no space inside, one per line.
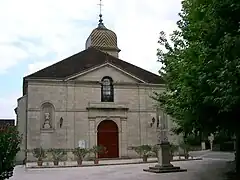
(107,136)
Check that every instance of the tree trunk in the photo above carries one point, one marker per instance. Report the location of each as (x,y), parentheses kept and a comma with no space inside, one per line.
(238,154)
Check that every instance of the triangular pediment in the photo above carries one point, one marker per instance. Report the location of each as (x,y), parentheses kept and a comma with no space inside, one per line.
(106,69)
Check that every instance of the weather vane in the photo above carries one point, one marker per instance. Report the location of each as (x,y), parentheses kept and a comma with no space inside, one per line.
(100,5)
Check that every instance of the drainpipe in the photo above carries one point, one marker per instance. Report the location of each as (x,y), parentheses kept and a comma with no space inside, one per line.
(139,117)
(66,119)
(74,114)
(26,128)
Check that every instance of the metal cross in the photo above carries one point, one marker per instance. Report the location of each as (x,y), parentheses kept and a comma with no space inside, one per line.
(100,5)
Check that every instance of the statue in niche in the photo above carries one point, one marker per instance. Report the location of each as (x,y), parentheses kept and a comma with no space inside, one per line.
(47,116)
(47,124)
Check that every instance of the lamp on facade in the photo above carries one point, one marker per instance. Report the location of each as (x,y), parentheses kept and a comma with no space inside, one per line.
(61,122)
(151,123)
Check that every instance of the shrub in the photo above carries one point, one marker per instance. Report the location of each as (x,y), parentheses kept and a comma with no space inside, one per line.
(143,150)
(80,153)
(57,154)
(155,149)
(10,145)
(98,150)
(39,153)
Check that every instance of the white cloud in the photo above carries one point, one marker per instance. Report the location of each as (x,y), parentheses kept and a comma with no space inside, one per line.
(8,104)
(10,56)
(46,20)
(38,66)
(136,22)
(54,23)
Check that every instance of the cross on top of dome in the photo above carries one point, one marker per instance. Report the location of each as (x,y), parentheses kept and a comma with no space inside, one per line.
(103,38)
(100,25)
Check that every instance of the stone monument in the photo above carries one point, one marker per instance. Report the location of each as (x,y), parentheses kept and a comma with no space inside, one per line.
(211,139)
(164,165)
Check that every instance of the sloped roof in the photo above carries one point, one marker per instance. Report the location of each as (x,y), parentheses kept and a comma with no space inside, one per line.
(88,59)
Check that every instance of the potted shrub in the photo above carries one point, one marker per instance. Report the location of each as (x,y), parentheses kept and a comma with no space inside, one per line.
(155,149)
(57,155)
(186,149)
(97,150)
(80,153)
(144,151)
(40,154)
(173,148)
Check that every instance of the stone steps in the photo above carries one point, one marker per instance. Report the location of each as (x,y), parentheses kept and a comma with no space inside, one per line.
(164,169)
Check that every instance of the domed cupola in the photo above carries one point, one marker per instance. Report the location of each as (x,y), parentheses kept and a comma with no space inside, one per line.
(103,39)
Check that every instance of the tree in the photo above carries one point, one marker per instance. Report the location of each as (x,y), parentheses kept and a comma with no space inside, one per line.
(9,146)
(201,68)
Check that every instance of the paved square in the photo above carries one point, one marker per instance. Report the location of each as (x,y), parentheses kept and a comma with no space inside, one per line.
(197,170)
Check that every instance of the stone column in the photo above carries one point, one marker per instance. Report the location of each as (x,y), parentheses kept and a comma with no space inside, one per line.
(203,145)
(211,139)
(92,133)
(123,152)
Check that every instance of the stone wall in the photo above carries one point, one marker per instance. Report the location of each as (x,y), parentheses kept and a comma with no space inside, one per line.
(21,125)
(71,101)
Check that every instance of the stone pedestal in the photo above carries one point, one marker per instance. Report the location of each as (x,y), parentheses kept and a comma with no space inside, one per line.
(203,145)
(211,145)
(164,158)
(211,139)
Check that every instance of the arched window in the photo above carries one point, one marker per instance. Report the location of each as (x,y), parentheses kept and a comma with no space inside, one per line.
(107,90)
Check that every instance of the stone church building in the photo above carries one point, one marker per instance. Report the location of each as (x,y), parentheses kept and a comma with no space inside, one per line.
(90,98)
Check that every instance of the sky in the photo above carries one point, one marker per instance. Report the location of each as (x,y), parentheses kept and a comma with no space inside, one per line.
(36,34)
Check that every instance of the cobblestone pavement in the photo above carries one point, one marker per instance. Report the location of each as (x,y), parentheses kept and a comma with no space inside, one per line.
(208,169)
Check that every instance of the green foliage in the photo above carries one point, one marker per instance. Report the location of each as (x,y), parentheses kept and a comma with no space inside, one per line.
(80,153)
(155,149)
(98,150)
(143,150)
(222,136)
(193,140)
(186,147)
(173,148)
(39,153)
(201,67)
(57,154)
(9,146)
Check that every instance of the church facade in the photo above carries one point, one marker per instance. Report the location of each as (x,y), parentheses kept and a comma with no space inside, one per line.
(90,98)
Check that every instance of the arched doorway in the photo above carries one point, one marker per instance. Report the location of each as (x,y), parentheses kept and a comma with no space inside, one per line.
(107,136)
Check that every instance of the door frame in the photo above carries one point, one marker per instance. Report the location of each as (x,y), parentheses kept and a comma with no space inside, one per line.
(121,122)
(116,130)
